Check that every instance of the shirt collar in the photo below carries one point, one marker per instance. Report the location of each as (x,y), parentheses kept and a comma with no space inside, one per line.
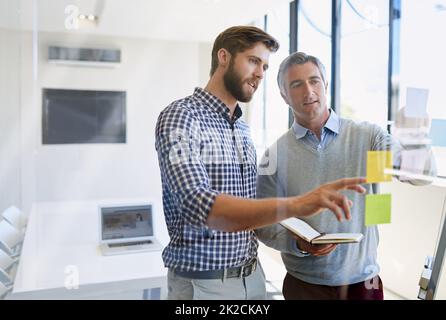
(332,124)
(217,105)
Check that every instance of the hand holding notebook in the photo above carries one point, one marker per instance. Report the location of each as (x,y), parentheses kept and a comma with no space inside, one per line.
(309,234)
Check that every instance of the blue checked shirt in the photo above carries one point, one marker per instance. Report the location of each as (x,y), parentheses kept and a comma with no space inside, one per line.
(202,153)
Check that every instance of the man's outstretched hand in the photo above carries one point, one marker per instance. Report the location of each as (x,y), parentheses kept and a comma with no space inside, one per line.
(327,196)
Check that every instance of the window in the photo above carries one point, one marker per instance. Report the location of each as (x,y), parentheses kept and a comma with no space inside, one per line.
(314,32)
(422,59)
(364,60)
(267,112)
(276,110)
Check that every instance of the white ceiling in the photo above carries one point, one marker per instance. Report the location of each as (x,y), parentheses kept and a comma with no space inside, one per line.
(188,20)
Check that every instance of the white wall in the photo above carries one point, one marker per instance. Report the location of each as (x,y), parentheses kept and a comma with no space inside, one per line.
(153,73)
(205,52)
(9,119)
(411,236)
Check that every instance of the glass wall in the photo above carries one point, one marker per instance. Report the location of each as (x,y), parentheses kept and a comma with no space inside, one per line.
(159,63)
(422,64)
(364,60)
(276,111)
(95,76)
(314,32)
(268,113)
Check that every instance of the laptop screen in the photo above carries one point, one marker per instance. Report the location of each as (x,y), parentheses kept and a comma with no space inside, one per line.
(126,222)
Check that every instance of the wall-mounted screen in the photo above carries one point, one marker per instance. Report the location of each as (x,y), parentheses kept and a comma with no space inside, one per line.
(83,116)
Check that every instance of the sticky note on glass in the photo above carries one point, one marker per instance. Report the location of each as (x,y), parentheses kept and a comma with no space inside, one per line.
(377,161)
(377,209)
(416,103)
(438,132)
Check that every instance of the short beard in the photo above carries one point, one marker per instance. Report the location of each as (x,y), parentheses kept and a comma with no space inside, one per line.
(234,84)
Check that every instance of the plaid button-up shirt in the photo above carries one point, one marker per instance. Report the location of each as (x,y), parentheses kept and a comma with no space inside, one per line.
(202,153)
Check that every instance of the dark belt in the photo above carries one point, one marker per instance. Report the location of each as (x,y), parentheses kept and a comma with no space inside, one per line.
(235,272)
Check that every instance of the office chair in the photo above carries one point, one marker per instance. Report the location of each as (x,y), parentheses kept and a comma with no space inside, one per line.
(6,284)
(4,290)
(8,269)
(10,238)
(6,261)
(12,272)
(15,217)
(5,278)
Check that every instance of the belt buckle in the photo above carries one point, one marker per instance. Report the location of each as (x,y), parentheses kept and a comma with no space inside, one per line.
(249,268)
(225,274)
(242,272)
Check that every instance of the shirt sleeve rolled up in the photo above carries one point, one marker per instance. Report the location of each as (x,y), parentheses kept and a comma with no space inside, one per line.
(183,173)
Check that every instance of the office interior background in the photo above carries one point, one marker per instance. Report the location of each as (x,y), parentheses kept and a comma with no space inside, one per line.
(373,50)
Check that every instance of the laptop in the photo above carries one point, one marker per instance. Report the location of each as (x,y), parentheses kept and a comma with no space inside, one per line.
(127,229)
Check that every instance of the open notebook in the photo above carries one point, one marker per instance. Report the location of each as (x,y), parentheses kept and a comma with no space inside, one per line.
(306,232)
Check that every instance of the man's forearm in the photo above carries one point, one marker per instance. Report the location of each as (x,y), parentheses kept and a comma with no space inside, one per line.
(232,214)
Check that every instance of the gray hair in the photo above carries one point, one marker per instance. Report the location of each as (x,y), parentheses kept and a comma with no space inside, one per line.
(298,58)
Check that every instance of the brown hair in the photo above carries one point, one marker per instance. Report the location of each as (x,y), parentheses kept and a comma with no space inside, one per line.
(240,38)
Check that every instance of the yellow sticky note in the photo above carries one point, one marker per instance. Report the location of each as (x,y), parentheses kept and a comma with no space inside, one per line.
(377,209)
(377,161)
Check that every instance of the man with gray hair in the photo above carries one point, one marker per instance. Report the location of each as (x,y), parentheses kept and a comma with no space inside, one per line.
(321,147)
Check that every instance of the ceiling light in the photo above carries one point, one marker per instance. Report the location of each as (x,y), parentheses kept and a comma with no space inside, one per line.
(90,17)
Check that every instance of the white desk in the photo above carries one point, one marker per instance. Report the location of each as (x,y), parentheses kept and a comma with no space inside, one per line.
(61,242)
(435,181)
